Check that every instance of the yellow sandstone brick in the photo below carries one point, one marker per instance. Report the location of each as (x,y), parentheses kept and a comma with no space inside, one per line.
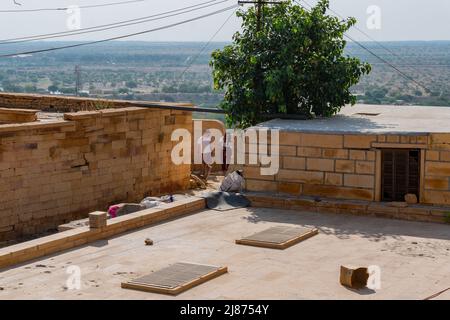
(357,155)
(337,192)
(437,183)
(359,181)
(345,166)
(437,168)
(320,164)
(289,188)
(393,139)
(322,140)
(335,153)
(445,156)
(290,138)
(335,179)
(309,152)
(359,141)
(255,173)
(259,185)
(294,163)
(432,155)
(365,167)
(300,176)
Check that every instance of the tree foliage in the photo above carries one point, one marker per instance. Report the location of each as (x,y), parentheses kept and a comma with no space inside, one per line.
(295,64)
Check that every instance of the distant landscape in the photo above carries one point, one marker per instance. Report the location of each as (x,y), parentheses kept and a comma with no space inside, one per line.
(178,72)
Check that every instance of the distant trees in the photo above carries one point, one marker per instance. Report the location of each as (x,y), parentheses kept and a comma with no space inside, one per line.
(123,90)
(186,87)
(293,64)
(30,89)
(11,87)
(53,88)
(131,84)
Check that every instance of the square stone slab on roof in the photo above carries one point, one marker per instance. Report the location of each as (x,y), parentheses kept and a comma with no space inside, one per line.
(373,119)
(279,237)
(176,278)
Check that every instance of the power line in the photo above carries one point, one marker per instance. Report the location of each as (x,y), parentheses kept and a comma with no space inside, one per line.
(404,75)
(367,36)
(207,44)
(65,8)
(115,25)
(119,37)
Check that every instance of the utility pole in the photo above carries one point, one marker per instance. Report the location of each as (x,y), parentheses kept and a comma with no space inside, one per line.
(258,80)
(78,84)
(259,7)
(259,4)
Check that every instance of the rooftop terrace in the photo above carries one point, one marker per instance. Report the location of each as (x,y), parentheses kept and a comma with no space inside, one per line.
(413,257)
(374,119)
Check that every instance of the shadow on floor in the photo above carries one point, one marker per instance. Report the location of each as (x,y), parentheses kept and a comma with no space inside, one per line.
(345,226)
(362,292)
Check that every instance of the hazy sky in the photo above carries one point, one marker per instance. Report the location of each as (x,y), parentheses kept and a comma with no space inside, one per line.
(398,19)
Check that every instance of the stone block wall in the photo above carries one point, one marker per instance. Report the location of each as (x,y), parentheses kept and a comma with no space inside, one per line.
(437,169)
(348,166)
(55,172)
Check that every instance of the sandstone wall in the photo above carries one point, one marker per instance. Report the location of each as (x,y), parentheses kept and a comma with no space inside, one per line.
(437,169)
(51,173)
(348,166)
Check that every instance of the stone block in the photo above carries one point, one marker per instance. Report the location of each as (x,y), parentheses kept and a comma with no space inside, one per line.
(359,181)
(260,185)
(359,141)
(411,198)
(300,176)
(296,163)
(335,179)
(365,167)
(309,152)
(97,219)
(313,164)
(289,188)
(345,166)
(432,155)
(337,192)
(437,183)
(357,155)
(335,153)
(322,140)
(437,168)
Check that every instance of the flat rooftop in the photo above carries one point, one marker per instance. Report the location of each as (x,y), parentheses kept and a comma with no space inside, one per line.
(414,259)
(375,119)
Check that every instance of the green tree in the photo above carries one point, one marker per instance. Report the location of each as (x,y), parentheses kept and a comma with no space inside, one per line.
(131,84)
(293,64)
(53,88)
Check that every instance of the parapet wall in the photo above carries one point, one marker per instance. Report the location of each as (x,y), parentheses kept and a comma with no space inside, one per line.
(55,172)
(54,103)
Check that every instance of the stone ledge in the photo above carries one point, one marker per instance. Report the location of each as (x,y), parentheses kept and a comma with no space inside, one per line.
(19,111)
(37,248)
(35,125)
(382,145)
(424,213)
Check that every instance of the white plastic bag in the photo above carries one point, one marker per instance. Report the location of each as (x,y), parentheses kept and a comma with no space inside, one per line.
(234,182)
(150,203)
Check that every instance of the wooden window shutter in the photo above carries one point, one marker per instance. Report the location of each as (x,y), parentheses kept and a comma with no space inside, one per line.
(400,174)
